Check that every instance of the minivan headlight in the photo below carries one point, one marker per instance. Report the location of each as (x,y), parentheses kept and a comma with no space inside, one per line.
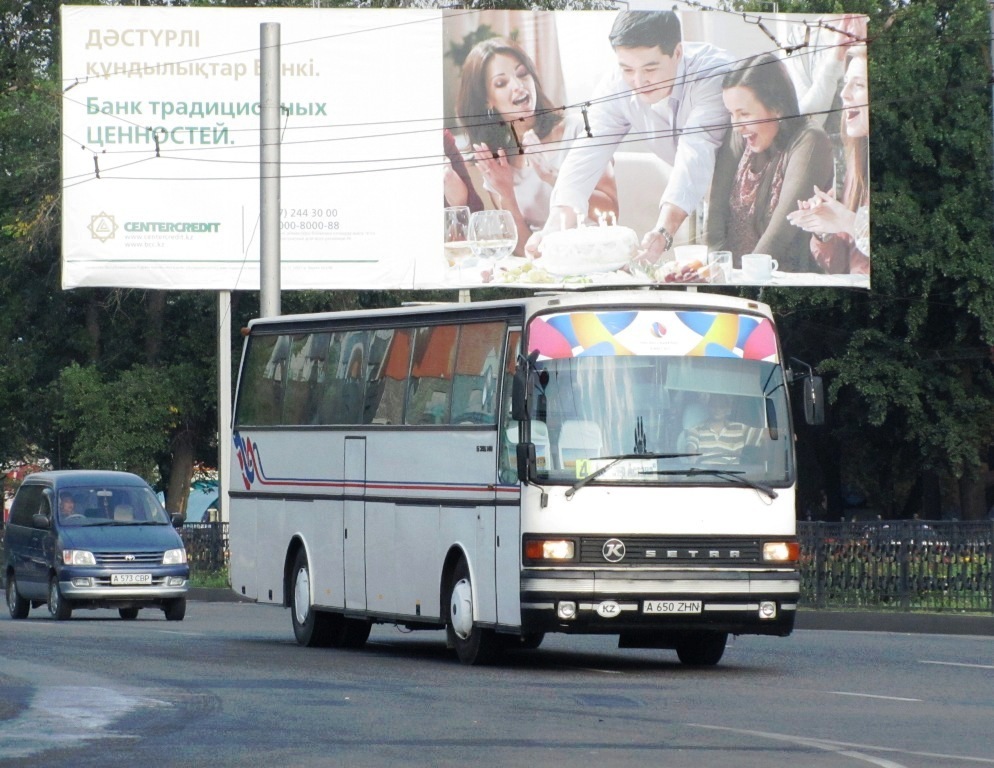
(174,557)
(78,557)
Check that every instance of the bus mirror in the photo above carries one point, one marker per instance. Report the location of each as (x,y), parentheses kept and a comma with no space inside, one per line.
(526,461)
(519,408)
(814,401)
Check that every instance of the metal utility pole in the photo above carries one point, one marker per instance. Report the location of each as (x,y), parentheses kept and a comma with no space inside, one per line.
(269,170)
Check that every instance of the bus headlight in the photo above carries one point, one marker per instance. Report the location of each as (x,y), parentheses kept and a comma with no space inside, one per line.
(781,551)
(549,549)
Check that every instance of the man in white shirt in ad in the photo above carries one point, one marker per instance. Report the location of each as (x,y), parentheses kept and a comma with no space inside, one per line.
(664,92)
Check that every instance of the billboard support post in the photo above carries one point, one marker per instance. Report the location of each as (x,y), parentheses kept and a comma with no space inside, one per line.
(269,170)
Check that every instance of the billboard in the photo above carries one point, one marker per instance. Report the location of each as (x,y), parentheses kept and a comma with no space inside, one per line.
(455,149)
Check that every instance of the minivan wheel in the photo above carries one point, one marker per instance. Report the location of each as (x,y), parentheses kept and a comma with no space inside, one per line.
(16,604)
(58,606)
(174,609)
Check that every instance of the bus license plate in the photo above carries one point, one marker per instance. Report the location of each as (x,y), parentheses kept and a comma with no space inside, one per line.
(130,579)
(671,606)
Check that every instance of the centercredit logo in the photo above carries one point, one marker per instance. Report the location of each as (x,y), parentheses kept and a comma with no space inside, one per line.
(103,227)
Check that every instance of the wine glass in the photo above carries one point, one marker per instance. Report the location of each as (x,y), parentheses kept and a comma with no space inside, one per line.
(456,234)
(492,234)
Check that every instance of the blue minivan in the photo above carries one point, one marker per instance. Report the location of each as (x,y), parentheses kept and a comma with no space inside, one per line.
(92,539)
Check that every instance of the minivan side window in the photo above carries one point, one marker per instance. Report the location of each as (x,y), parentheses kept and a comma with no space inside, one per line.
(26,503)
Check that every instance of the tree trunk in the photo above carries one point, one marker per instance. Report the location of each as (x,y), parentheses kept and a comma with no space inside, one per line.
(155,309)
(180,474)
(971,495)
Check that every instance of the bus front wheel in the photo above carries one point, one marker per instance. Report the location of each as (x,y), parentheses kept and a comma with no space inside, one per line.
(311,627)
(473,644)
(703,649)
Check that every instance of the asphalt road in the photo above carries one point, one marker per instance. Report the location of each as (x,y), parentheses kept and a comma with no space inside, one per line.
(229,687)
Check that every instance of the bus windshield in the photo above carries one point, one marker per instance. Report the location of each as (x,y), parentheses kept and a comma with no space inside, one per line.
(681,397)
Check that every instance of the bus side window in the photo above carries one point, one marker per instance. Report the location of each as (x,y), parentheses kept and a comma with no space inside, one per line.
(260,396)
(432,366)
(386,392)
(474,387)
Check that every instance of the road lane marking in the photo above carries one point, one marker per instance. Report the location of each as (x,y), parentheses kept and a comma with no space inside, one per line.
(849,749)
(957,664)
(873,696)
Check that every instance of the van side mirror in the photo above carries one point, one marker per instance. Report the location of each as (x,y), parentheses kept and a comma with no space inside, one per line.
(39,520)
(176,519)
(814,401)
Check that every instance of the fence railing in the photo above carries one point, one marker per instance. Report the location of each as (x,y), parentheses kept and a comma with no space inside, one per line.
(207,547)
(902,565)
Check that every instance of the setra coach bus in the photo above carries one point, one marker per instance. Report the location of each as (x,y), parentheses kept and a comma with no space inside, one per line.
(614,463)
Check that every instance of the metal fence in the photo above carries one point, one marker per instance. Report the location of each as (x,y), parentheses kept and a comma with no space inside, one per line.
(207,547)
(903,565)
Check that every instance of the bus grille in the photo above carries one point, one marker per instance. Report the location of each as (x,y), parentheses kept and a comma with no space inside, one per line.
(668,550)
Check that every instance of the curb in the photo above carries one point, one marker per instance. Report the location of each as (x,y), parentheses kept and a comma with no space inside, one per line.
(215,595)
(920,623)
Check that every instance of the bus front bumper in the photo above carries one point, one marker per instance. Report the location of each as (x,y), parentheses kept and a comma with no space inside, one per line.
(648,603)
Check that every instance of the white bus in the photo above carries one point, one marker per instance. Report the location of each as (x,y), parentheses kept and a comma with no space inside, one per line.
(507,469)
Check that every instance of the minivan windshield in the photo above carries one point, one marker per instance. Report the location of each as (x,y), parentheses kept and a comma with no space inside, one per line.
(109,505)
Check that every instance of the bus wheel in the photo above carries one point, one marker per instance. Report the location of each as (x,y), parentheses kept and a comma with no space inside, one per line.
(352,633)
(702,649)
(312,628)
(531,641)
(473,644)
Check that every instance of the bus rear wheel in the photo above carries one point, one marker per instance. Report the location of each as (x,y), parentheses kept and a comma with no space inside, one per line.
(473,644)
(702,649)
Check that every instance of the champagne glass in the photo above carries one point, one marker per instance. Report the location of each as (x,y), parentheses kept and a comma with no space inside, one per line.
(456,234)
(492,234)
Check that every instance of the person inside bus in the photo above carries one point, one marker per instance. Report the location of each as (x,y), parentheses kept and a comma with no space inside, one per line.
(719,439)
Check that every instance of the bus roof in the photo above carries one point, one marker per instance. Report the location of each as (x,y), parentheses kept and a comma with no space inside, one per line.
(528,306)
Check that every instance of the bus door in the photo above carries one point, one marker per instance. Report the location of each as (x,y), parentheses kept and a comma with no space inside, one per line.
(355,523)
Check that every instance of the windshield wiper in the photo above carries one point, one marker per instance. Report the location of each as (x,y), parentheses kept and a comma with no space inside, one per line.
(728,474)
(613,460)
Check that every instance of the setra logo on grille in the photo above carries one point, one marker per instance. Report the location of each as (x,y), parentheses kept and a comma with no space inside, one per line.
(613,550)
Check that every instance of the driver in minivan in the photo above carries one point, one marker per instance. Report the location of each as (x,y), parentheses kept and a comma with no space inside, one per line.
(67,507)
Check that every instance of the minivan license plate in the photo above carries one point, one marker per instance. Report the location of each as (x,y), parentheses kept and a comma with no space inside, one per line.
(671,606)
(130,579)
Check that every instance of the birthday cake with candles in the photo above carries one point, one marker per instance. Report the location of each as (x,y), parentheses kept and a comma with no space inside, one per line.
(587,250)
